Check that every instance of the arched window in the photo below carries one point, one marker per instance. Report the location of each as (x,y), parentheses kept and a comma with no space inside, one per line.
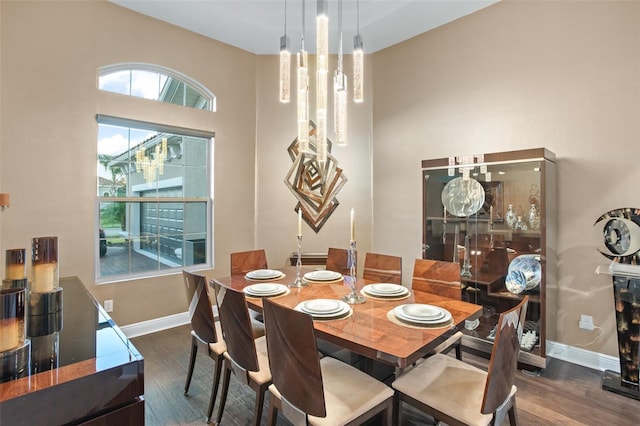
(156,83)
(154,187)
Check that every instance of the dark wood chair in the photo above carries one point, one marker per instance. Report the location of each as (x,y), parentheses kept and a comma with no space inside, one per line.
(382,268)
(245,261)
(338,260)
(246,357)
(442,278)
(310,390)
(205,332)
(457,393)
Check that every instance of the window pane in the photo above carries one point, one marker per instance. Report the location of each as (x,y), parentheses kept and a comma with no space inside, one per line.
(145,84)
(117,82)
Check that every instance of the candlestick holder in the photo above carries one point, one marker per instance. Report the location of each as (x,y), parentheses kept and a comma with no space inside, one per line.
(352,298)
(299,282)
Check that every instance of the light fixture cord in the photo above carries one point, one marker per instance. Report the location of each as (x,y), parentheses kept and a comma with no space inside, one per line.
(358,16)
(303,25)
(340,30)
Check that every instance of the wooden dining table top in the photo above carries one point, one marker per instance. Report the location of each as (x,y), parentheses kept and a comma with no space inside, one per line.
(368,331)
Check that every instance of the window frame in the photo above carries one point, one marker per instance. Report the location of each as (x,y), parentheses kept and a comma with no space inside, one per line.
(133,123)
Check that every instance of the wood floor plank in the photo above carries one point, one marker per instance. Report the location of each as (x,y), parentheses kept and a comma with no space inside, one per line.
(563,393)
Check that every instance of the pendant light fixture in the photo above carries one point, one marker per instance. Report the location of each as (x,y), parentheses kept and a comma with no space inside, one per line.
(285,63)
(340,92)
(322,73)
(358,61)
(302,65)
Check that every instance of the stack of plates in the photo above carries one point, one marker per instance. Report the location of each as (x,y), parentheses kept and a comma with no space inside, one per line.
(385,290)
(324,308)
(264,274)
(265,290)
(418,313)
(322,275)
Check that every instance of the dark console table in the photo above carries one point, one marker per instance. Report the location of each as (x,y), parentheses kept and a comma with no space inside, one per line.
(95,376)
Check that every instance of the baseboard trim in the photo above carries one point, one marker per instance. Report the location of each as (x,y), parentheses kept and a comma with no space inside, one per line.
(583,357)
(154,325)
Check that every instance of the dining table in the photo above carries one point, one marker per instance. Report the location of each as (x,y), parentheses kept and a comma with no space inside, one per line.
(369,329)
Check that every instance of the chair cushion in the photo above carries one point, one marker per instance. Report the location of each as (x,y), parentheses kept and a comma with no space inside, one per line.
(450,386)
(451,341)
(258,328)
(264,374)
(348,393)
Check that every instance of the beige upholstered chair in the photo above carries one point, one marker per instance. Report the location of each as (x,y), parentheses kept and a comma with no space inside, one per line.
(310,390)
(457,393)
(246,357)
(205,331)
(442,278)
(382,268)
(338,260)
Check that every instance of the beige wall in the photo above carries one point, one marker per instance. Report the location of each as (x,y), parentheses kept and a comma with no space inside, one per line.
(563,75)
(50,54)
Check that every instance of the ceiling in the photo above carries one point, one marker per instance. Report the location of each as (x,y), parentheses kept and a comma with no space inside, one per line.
(257,25)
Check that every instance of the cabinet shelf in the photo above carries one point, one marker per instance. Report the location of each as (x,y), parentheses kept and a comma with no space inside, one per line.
(526,177)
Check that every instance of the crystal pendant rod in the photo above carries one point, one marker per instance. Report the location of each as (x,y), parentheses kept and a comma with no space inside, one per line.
(303,91)
(340,92)
(358,62)
(322,70)
(285,63)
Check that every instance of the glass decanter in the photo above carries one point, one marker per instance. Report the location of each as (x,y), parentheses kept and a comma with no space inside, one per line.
(534,218)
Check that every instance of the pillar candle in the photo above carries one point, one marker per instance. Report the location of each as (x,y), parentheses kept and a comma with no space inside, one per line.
(15,272)
(43,277)
(300,222)
(353,225)
(8,334)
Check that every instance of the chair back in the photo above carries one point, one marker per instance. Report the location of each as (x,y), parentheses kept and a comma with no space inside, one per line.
(245,261)
(504,357)
(200,312)
(293,358)
(236,327)
(382,268)
(438,277)
(338,260)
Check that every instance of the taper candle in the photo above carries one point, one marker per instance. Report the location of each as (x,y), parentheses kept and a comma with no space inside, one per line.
(353,225)
(300,222)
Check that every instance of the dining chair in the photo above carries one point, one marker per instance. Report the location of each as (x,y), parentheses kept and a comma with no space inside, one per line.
(205,331)
(458,393)
(245,356)
(314,391)
(246,261)
(442,278)
(382,268)
(338,260)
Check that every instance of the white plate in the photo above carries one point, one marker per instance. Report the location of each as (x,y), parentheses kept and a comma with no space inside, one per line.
(265,289)
(418,313)
(263,274)
(322,275)
(321,306)
(342,311)
(384,289)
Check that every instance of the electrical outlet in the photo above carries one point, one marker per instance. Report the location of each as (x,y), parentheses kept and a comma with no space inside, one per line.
(586,322)
(108,305)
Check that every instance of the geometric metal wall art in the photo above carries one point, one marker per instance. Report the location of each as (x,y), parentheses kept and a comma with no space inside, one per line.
(621,234)
(314,187)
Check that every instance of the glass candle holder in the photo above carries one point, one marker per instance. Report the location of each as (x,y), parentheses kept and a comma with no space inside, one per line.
(44,264)
(16,264)
(12,310)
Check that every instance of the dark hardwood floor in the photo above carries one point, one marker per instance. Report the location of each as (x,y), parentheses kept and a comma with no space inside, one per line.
(563,393)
